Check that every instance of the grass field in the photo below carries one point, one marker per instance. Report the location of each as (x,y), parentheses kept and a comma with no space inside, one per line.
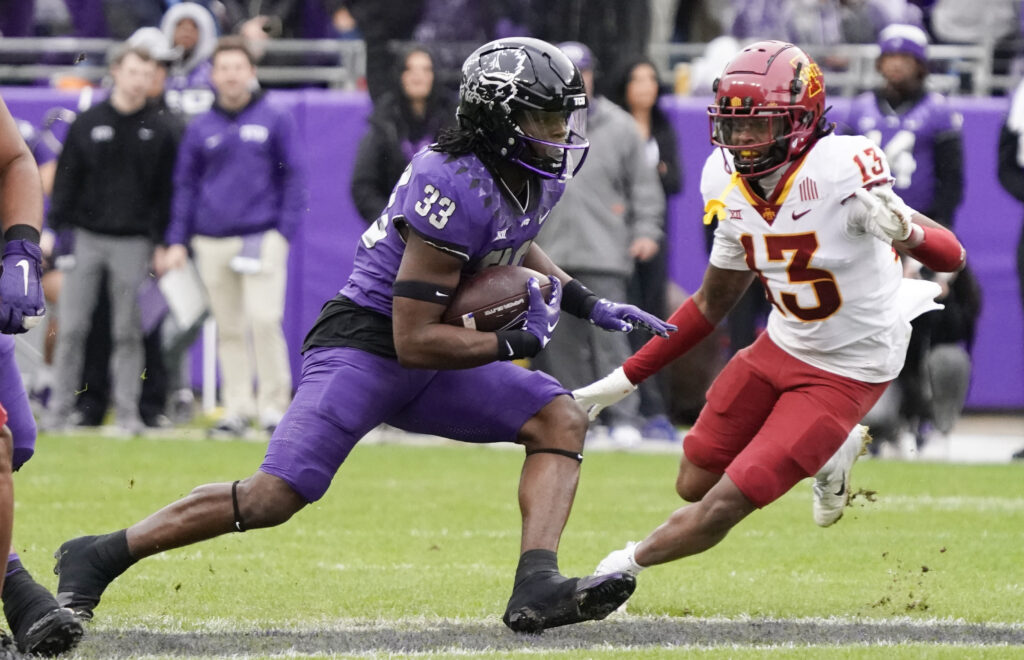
(412,553)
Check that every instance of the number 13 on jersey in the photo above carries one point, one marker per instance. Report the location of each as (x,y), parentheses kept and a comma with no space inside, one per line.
(796,250)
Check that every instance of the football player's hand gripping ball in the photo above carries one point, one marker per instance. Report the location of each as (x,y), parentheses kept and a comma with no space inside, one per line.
(542,317)
(610,315)
(602,393)
(888,218)
(21,295)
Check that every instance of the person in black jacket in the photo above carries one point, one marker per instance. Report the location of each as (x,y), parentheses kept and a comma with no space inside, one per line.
(113,189)
(635,87)
(405,120)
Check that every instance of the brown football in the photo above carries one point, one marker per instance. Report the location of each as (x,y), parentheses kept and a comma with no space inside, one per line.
(494,299)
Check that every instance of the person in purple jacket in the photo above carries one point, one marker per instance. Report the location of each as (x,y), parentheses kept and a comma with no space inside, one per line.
(379,352)
(239,197)
(921,136)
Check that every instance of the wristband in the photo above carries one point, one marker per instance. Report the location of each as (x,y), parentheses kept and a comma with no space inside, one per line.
(22,232)
(578,300)
(516,344)
(939,250)
(656,353)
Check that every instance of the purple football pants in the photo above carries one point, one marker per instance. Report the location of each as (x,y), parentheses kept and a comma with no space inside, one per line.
(15,400)
(344,393)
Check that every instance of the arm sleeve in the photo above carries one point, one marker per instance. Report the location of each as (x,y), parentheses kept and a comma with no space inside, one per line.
(368,191)
(293,177)
(188,170)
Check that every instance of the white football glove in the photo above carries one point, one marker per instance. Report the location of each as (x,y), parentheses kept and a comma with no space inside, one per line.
(602,393)
(888,217)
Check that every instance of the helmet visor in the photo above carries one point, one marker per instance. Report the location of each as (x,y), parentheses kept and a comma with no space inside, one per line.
(749,136)
(556,142)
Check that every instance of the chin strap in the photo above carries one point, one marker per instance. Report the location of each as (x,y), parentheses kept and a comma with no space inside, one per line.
(574,455)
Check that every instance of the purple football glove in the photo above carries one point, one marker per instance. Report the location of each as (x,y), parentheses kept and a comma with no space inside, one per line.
(21,295)
(542,317)
(618,316)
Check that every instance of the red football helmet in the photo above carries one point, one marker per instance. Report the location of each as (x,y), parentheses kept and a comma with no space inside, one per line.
(769,107)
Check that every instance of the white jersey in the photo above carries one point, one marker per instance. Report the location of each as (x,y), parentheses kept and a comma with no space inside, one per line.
(839,300)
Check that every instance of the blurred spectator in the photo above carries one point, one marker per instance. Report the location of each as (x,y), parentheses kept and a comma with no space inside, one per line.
(1011,176)
(159,47)
(238,200)
(113,187)
(380,22)
(612,213)
(635,88)
(453,28)
(405,121)
(920,134)
(88,18)
(259,20)
(995,23)
(17,18)
(612,28)
(190,28)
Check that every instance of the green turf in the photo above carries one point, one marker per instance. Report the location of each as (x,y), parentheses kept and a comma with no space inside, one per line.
(425,533)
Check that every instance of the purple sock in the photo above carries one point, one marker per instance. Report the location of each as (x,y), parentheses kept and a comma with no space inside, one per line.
(13,564)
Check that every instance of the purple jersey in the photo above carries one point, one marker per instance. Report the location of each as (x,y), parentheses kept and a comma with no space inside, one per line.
(908,139)
(455,204)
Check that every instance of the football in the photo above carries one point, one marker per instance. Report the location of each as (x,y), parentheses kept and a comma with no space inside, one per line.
(494,299)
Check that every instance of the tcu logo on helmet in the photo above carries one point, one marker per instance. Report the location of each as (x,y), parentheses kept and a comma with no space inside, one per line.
(495,82)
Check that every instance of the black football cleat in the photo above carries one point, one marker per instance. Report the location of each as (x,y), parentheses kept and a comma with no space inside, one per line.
(58,631)
(553,601)
(82,578)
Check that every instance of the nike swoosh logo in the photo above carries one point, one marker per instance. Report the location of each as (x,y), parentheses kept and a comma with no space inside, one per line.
(551,327)
(511,353)
(797,216)
(440,295)
(842,489)
(23,265)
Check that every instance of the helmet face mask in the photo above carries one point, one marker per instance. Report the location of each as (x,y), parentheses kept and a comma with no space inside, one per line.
(756,140)
(525,101)
(774,87)
(553,142)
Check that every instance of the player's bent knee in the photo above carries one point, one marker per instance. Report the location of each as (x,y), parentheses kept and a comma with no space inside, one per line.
(262,501)
(561,424)
(692,482)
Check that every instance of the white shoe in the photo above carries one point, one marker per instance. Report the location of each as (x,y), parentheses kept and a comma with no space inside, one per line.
(626,436)
(620,561)
(832,483)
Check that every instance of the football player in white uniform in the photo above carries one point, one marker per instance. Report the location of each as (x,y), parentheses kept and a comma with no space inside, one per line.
(813,216)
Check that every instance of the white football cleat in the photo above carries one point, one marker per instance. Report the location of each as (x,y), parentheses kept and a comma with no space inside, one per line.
(620,561)
(832,483)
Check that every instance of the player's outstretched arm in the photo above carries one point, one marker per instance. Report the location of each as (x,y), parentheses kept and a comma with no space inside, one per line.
(696,319)
(583,303)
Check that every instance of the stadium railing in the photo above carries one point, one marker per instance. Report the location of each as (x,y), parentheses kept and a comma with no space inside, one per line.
(341,64)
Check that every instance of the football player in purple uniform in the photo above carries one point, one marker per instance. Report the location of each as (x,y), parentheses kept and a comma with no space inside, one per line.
(39,625)
(379,352)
